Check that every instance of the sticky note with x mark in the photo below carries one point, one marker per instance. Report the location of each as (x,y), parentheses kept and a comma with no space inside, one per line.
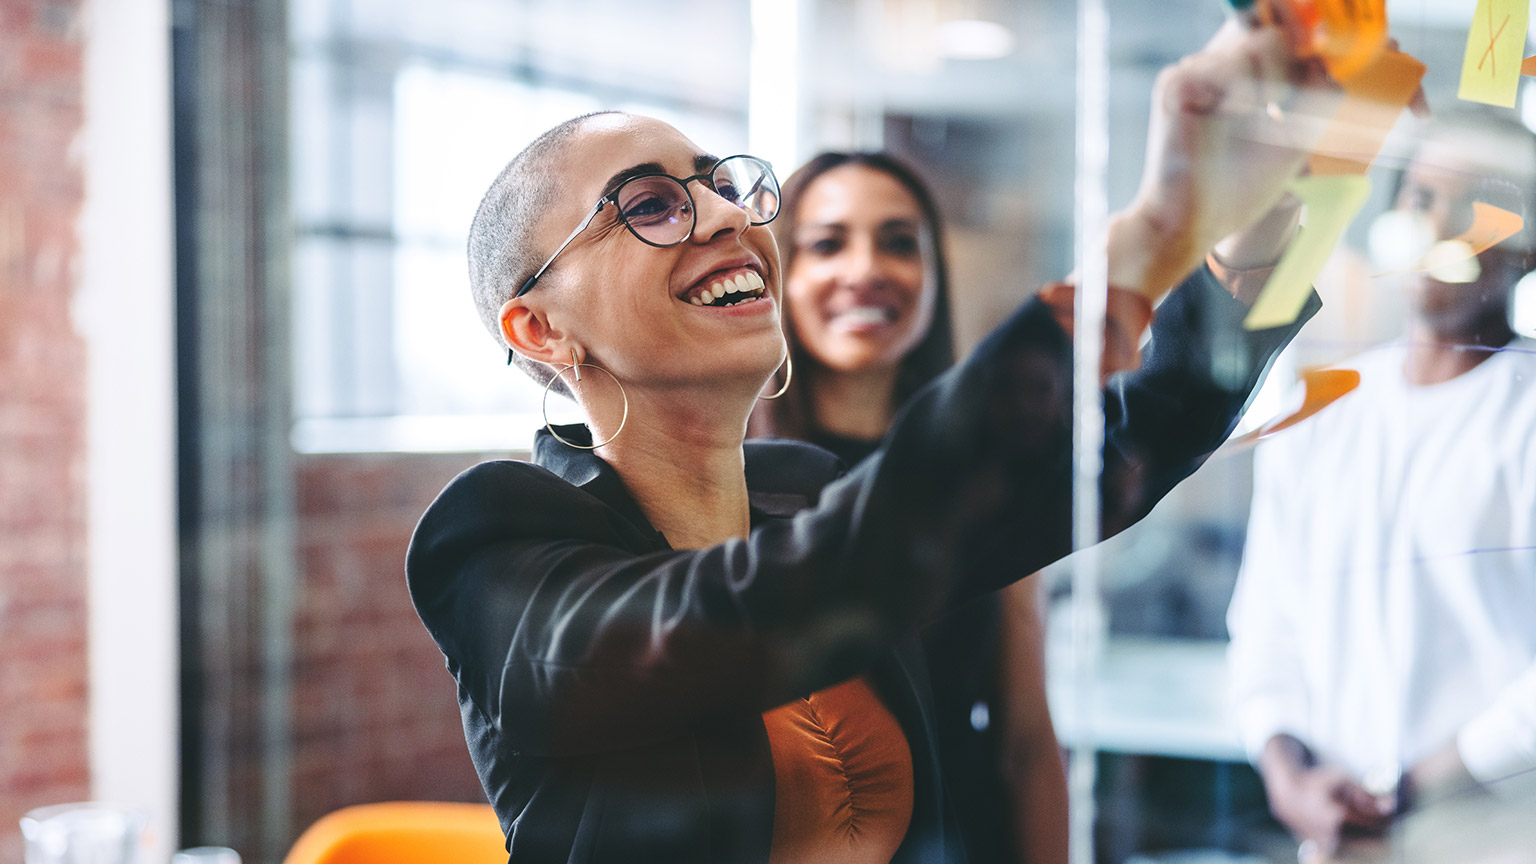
(1490,70)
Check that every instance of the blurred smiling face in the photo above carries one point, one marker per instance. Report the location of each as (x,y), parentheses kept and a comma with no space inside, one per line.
(657,316)
(1441,185)
(858,288)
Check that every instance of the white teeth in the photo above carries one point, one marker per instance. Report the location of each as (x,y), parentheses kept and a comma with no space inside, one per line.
(745,282)
(865,315)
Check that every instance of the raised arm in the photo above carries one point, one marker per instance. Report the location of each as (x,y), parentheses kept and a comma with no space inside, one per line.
(570,644)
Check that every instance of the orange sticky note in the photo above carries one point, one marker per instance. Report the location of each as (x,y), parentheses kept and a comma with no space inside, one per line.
(1349,35)
(1490,226)
(1323,388)
(1331,202)
(1373,100)
(1490,69)
(1528,66)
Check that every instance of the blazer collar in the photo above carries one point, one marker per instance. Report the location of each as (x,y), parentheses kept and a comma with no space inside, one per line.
(782,477)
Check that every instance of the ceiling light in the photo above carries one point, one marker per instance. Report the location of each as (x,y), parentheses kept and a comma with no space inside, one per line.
(974,40)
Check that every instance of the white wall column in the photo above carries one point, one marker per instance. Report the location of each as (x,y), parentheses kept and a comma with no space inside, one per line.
(125,311)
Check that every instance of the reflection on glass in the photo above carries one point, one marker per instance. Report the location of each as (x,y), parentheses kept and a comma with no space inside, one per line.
(85,833)
(1384,624)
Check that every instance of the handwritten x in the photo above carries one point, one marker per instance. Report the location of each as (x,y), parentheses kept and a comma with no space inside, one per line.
(1492,38)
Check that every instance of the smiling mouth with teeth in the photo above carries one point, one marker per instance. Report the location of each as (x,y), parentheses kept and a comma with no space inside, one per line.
(866,316)
(744,287)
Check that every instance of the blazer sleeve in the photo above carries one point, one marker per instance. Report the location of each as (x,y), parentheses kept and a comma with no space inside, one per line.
(570,644)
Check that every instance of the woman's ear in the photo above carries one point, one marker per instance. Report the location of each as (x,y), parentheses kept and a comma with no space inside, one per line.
(527,330)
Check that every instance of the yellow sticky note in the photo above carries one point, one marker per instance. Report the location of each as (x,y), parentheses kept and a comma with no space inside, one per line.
(1490,70)
(1331,202)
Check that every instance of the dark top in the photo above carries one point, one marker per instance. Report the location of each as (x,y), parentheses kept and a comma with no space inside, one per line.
(964,667)
(611,688)
(961,653)
(849,451)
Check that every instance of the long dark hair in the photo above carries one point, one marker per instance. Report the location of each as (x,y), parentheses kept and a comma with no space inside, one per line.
(792,415)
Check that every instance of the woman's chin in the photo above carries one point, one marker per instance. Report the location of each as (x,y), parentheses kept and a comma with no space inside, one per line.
(861,356)
(721,378)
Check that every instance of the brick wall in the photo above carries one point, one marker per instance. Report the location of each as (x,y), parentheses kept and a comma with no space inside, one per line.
(42,417)
(375,716)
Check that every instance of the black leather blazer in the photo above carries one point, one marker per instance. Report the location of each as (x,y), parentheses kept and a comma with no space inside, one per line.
(612,687)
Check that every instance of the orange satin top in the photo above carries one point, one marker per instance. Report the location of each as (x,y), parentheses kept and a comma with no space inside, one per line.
(842,775)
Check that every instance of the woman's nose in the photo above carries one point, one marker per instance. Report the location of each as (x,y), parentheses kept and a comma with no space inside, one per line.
(713,215)
(861,264)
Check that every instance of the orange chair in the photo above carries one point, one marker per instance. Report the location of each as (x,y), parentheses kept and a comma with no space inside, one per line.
(403,832)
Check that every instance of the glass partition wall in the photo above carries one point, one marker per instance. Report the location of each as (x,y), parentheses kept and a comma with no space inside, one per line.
(330,156)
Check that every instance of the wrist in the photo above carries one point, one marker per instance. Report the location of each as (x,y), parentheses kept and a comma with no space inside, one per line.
(1149,255)
(1261,245)
(1285,758)
(1439,775)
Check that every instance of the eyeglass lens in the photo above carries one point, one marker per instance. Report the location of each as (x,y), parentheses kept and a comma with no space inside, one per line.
(658,209)
(749,184)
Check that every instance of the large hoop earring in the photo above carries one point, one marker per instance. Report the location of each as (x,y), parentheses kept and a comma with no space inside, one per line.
(789,373)
(576,365)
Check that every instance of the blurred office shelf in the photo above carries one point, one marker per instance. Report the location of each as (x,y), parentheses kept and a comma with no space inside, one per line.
(1156,697)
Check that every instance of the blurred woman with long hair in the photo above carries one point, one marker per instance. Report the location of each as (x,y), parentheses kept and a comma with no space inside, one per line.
(867,320)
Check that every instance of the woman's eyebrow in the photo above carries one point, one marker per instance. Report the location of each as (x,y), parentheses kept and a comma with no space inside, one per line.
(887,225)
(822,226)
(701,163)
(618,179)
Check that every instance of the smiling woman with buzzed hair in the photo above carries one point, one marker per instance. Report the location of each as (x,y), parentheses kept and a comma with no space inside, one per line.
(674,646)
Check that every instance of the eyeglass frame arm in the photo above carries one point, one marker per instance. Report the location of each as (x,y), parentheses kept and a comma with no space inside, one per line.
(528,285)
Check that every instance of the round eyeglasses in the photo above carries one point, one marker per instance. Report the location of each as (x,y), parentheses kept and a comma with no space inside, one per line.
(658,208)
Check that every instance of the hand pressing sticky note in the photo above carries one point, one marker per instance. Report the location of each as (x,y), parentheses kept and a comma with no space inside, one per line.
(1349,35)
(1373,100)
(1331,202)
(1490,70)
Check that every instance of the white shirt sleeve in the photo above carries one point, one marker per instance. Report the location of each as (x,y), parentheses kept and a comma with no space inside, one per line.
(1500,742)
(1264,659)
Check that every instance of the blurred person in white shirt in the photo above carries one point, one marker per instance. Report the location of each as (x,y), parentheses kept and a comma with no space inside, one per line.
(1384,622)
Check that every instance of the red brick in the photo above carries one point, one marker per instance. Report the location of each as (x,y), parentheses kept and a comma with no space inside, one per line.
(375,711)
(42,495)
